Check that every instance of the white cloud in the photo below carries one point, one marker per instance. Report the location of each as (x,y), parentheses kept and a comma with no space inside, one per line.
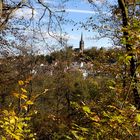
(49,1)
(73,37)
(26,13)
(85,11)
(80,11)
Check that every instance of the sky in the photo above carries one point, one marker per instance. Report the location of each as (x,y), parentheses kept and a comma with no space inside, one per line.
(77,11)
(81,11)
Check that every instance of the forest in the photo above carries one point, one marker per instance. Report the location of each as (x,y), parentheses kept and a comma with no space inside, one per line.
(50,90)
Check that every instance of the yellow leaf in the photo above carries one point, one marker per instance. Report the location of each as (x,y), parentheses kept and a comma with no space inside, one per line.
(95,118)
(23,96)
(27,82)
(24,90)
(25,107)
(86,109)
(3,138)
(12,112)
(29,102)
(12,120)
(20,82)
(5,112)
(16,95)
(111,87)
(137,118)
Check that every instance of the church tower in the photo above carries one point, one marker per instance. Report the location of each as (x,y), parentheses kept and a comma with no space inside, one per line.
(81,44)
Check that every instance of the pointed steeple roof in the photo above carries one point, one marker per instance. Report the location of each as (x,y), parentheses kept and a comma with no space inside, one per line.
(81,37)
(81,44)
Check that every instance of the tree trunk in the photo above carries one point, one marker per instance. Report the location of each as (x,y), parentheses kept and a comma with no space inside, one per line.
(129,48)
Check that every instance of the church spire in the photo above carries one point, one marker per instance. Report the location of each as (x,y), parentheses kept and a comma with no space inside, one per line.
(81,44)
(81,36)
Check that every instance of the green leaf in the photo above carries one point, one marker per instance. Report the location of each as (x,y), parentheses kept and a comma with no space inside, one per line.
(6,112)
(31,136)
(76,135)
(86,109)
(3,138)
(137,118)
(111,87)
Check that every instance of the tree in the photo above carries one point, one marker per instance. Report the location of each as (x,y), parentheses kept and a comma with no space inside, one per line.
(7,8)
(125,22)
(16,27)
(128,23)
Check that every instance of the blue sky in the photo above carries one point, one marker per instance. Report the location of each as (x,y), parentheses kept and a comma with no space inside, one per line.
(81,10)
(78,11)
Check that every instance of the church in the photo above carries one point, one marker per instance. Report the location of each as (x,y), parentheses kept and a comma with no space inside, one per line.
(81,45)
